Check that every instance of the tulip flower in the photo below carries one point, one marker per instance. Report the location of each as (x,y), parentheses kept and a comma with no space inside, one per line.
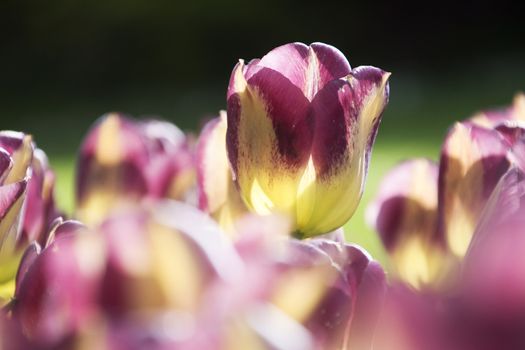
(26,202)
(301,125)
(123,161)
(216,188)
(404,213)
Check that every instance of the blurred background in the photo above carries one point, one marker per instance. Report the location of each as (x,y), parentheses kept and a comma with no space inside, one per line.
(64,63)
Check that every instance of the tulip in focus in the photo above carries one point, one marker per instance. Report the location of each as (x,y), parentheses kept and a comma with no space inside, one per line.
(301,126)
(123,161)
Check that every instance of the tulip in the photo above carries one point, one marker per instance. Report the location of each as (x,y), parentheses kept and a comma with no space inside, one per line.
(216,188)
(301,125)
(404,213)
(26,202)
(122,162)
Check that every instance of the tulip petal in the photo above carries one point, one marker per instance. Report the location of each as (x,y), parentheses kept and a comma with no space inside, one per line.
(40,205)
(28,258)
(345,289)
(309,68)
(268,141)
(346,115)
(404,213)
(216,188)
(473,159)
(11,200)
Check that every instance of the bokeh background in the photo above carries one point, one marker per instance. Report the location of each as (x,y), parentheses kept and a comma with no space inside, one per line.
(64,63)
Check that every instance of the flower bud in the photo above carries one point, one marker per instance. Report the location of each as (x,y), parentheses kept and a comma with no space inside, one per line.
(301,125)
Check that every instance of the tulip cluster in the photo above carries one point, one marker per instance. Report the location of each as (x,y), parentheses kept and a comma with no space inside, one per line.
(455,235)
(231,240)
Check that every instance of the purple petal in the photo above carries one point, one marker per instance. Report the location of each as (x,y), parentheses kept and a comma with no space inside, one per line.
(40,208)
(29,257)
(309,68)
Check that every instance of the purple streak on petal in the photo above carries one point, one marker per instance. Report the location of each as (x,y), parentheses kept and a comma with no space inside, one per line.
(288,109)
(334,121)
(336,109)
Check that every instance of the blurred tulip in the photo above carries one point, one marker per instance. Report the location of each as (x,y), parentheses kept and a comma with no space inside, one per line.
(404,213)
(216,188)
(123,161)
(301,125)
(26,202)
(429,215)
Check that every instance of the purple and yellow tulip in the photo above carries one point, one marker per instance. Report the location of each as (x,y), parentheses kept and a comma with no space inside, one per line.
(404,213)
(123,161)
(301,125)
(26,202)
